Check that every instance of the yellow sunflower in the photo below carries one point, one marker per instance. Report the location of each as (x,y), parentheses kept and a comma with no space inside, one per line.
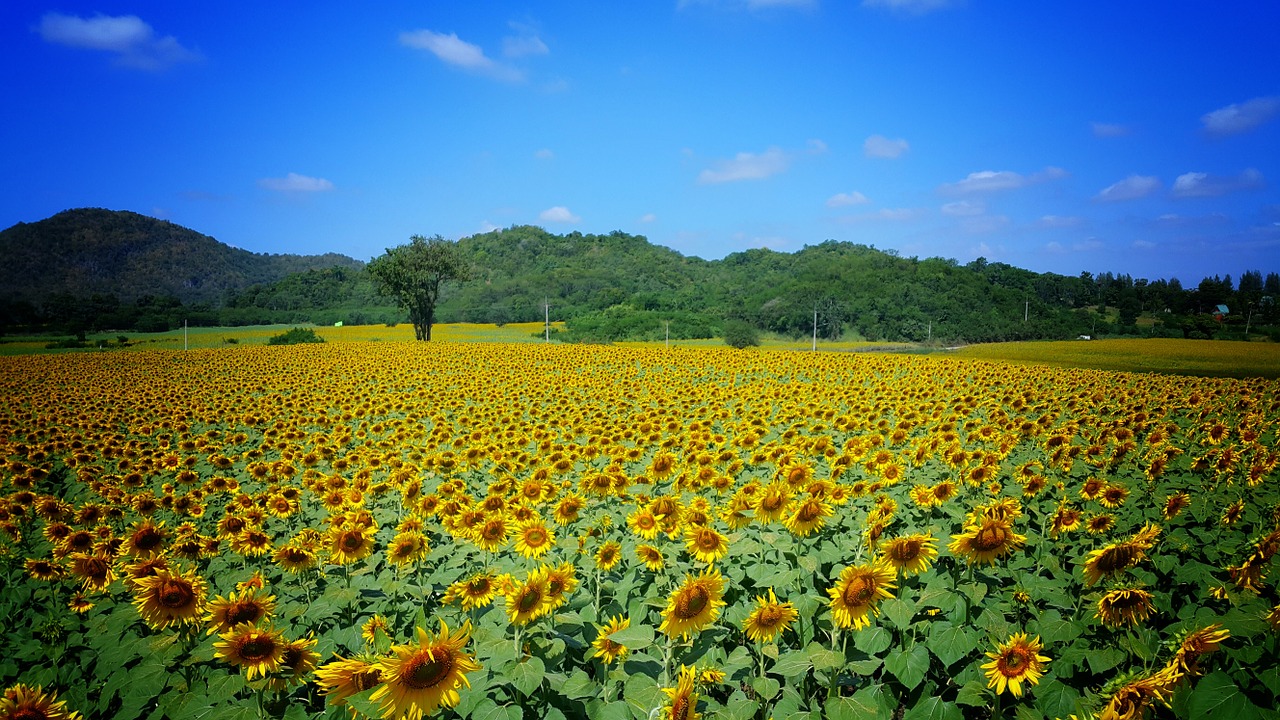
(807,516)
(858,591)
(606,649)
(374,625)
(350,544)
(257,650)
(239,608)
(407,547)
(985,542)
(608,555)
(651,557)
(170,598)
(682,701)
(493,534)
(475,592)
(341,678)
(911,554)
(534,539)
(694,605)
(527,601)
(1014,662)
(769,618)
(1124,606)
(561,582)
(295,558)
(423,677)
(643,523)
(706,544)
(1196,643)
(298,661)
(771,504)
(24,702)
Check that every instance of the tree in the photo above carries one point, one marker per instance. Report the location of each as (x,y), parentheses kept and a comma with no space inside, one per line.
(413,274)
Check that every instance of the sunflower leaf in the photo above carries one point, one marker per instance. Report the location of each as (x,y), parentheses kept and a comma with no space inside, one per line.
(899,612)
(791,665)
(933,708)
(1056,699)
(909,666)
(634,637)
(869,703)
(1217,696)
(578,686)
(950,643)
(873,640)
(527,674)
(766,686)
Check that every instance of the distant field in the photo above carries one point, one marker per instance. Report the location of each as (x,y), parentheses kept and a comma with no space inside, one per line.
(1178,357)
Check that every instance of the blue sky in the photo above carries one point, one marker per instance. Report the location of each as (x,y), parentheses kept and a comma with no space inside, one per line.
(1134,137)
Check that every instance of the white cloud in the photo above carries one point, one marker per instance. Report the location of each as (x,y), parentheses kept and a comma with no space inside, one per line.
(525,43)
(1088,245)
(964,208)
(295,183)
(1058,221)
(487,227)
(559,214)
(746,166)
(648,218)
(1241,117)
(1130,188)
(1143,245)
(455,51)
(1109,130)
(915,7)
(544,154)
(992,181)
(132,40)
(1198,184)
(846,199)
(817,147)
(879,146)
(1054,248)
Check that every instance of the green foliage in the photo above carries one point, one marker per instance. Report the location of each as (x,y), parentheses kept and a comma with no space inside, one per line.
(296,336)
(626,322)
(740,334)
(413,275)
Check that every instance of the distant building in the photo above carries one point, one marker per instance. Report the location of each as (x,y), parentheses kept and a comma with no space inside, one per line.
(1220,312)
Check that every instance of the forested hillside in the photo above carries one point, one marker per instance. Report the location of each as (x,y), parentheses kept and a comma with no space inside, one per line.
(97,270)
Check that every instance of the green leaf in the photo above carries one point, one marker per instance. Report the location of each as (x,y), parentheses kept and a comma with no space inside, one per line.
(898,611)
(872,640)
(950,642)
(1054,629)
(1216,695)
(934,708)
(791,665)
(1102,659)
(527,675)
(579,686)
(490,710)
(1055,699)
(741,707)
(766,686)
(634,637)
(974,694)
(822,658)
(869,703)
(909,666)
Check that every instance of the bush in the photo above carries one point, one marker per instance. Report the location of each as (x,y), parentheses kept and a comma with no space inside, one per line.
(740,334)
(296,336)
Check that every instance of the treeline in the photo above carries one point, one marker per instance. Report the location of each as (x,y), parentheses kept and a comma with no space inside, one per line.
(620,287)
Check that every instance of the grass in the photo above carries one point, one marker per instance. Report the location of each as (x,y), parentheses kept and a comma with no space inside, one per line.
(1218,358)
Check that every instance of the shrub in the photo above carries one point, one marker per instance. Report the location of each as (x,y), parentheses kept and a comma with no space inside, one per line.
(740,334)
(296,336)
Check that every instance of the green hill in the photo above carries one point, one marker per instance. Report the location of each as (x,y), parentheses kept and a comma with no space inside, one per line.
(92,251)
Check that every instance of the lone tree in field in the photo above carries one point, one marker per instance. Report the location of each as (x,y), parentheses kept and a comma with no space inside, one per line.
(413,274)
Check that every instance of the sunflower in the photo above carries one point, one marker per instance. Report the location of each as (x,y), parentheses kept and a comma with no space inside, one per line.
(373,626)
(769,618)
(1124,606)
(1065,519)
(608,555)
(534,539)
(170,598)
(651,557)
(910,555)
(44,570)
(24,702)
(423,677)
(295,557)
(341,678)
(1233,513)
(1113,495)
(1175,504)
(258,650)
(606,649)
(95,571)
(806,516)
(858,591)
(145,539)
(1117,557)
(1015,661)
(561,582)
(694,605)
(682,700)
(706,544)
(492,534)
(79,604)
(349,545)
(1131,699)
(771,504)
(407,547)
(1196,643)
(239,608)
(985,543)
(527,601)
(299,660)
(475,592)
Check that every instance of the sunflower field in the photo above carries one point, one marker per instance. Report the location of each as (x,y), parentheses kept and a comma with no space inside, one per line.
(504,531)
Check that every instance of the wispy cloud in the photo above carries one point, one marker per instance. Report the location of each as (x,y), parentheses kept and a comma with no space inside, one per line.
(544,154)
(847,199)
(914,7)
(964,208)
(746,166)
(1109,130)
(879,146)
(1130,188)
(559,214)
(648,218)
(452,50)
(524,43)
(1198,184)
(133,42)
(1241,117)
(295,183)
(994,181)
(1058,221)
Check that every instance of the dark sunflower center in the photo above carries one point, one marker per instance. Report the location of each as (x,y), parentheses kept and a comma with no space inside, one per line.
(95,568)
(257,649)
(147,539)
(365,680)
(352,541)
(529,599)
(859,592)
(1014,662)
(808,512)
(905,551)
(708,541)
(692,602)
(1117,558)
(771,503)
(493,532)
(535,538)
(769,616)
(425,672)
(991,537)
(244,612)
(175,594)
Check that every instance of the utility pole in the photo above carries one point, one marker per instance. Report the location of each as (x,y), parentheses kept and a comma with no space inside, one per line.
(930,340)
(546,321)
(668,339)
(815,327)
(1026,309)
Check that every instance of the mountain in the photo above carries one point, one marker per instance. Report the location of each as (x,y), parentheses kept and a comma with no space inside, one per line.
(94,251)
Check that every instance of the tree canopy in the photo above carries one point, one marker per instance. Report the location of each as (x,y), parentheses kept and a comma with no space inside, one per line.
(413,275)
